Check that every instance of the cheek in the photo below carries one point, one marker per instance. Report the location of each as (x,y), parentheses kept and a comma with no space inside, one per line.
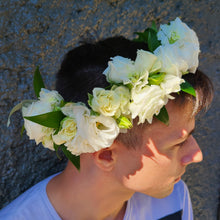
(160,156)
(163,162)
(154,170)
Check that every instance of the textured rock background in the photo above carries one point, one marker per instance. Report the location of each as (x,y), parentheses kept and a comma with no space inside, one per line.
(40,32)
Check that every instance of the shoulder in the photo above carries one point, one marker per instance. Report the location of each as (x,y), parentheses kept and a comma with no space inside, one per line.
(141,206)
(24,207)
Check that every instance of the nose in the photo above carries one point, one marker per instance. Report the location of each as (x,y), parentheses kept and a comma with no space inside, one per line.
(193,152)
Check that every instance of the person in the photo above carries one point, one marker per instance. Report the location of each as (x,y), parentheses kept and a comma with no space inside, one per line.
(138,176)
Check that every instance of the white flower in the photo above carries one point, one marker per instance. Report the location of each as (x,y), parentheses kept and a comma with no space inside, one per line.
(102,131)
(93,132)
(67,132)
(171,59)
(119,70)
(147,102)
(79,144)
(171,84)
(48,100)
(74,109)
(51,97)
(146,62)
(177,32)
(181,42)
(106,102)
(123,70)
(124,94)
(47,140)
(36,131)
(190,54)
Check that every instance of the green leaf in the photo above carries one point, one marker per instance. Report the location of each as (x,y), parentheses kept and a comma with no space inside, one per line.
(156,78)
(94,113)
(149,36)
(154,26)
(16,108)
(129,86)
(62,103)
(142,36)
(124,123)
(152,40)
(38,82)
(50,119)
(56,148)
(74,159)
(187,87)
(22,130)
(90,99)
(163,116)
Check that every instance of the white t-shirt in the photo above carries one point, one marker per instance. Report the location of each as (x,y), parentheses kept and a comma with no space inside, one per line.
(34,204)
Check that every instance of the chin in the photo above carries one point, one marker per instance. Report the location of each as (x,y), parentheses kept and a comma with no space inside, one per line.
(162,193)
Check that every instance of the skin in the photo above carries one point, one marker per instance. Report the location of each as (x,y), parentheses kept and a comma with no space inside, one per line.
(164,155)
(109,177)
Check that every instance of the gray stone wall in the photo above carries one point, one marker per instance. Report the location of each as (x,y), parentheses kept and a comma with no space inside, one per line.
(40,32)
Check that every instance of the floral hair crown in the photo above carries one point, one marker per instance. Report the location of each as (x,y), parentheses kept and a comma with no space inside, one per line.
(139,88)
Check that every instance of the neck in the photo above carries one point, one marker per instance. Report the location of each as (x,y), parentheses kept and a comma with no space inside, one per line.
(87,195)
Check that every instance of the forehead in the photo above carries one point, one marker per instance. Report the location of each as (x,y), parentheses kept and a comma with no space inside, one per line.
(181,123)
(188,101)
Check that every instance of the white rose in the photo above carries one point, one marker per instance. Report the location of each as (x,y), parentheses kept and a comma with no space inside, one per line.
(102,131)
(147,102)
(171,60)
(67,132)
(177,32)
(47,140)
(79,144)
(106,102)
(171,84)
(93,132)
(35,131)
(119,70)
(190,54)
(184,44)
(146,62)
(124,94)
(51,97)
(74,109)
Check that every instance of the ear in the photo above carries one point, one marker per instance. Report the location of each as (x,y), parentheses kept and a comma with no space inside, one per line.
(105,158)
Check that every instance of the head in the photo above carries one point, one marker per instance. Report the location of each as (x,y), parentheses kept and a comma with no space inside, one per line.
(149,158)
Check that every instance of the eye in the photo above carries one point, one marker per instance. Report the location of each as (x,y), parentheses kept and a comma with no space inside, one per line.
(184,142)
(181,143)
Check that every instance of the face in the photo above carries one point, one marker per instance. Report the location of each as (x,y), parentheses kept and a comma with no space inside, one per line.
(159,163)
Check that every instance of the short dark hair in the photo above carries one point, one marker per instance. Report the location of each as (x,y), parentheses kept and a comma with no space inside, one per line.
(82,68)
(204,89)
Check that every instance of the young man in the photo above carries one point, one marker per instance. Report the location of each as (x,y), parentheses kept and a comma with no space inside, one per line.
(139,175)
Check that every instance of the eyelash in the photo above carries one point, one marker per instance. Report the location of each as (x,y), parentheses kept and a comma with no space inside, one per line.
(182,143)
